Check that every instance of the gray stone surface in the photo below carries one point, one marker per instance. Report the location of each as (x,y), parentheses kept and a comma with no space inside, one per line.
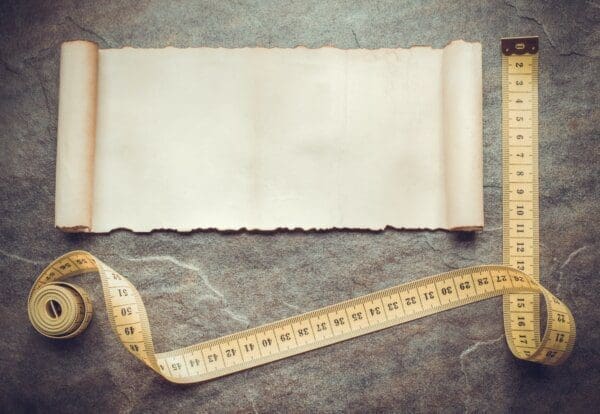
(201,285)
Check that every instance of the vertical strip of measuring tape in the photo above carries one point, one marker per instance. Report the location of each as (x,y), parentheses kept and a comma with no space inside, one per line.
(61,310)
(520,59)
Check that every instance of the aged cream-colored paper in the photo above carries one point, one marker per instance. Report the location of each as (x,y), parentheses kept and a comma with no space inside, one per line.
(269,138)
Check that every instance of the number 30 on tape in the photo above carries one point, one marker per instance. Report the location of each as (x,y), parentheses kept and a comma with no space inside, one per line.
(62,310)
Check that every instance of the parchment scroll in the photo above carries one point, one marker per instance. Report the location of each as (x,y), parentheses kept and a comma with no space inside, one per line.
(269,138)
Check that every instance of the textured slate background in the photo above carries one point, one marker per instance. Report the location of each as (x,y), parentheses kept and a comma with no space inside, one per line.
(205,284)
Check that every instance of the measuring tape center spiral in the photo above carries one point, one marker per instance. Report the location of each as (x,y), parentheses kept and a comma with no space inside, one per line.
(60,310)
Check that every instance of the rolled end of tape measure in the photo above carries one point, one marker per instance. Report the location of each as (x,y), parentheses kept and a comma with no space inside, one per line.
(60,310)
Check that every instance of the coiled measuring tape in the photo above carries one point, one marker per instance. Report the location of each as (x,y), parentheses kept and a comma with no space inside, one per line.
(61,310)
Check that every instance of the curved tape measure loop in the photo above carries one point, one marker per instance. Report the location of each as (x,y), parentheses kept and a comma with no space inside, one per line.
(319,328)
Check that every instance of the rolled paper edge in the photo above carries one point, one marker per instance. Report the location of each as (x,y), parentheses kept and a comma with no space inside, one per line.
(463,136)
(76,136)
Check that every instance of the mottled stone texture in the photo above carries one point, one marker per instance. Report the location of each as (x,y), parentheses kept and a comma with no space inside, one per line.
(201,285)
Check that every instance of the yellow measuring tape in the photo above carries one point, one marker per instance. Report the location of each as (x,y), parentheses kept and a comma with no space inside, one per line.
(61,310)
